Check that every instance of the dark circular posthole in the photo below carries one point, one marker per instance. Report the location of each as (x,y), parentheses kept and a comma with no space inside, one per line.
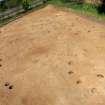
(11,87)
(70,72)
(79,81)
(6,84)
(0,59)
(0,65)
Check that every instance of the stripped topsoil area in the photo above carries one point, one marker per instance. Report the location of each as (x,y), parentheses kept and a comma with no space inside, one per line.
(52,57)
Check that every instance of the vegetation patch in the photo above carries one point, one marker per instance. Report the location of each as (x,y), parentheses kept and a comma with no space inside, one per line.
(84,8)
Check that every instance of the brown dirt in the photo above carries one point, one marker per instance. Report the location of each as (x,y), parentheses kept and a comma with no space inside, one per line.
(52,57)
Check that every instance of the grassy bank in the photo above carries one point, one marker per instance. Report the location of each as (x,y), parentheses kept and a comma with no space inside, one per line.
(86,9)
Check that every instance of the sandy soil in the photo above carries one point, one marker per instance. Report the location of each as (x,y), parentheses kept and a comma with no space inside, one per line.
(52,57)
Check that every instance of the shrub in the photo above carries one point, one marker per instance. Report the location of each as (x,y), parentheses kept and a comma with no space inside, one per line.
(26,4)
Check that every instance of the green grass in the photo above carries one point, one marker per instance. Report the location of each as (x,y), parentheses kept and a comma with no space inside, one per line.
(86,9)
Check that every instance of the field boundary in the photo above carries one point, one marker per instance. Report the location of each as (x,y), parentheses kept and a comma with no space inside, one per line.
(14,11)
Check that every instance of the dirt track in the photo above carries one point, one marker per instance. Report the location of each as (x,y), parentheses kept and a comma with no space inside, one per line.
(52,57)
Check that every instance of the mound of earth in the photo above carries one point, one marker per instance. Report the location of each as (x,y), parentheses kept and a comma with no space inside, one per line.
(52,57)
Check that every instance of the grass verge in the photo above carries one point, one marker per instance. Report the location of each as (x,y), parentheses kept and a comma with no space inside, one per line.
(85,9)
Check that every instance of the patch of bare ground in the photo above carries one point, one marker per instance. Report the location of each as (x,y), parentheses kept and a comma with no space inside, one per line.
(52,57)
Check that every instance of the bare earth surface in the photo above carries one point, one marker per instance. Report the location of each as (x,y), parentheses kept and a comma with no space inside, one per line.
(52,57)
